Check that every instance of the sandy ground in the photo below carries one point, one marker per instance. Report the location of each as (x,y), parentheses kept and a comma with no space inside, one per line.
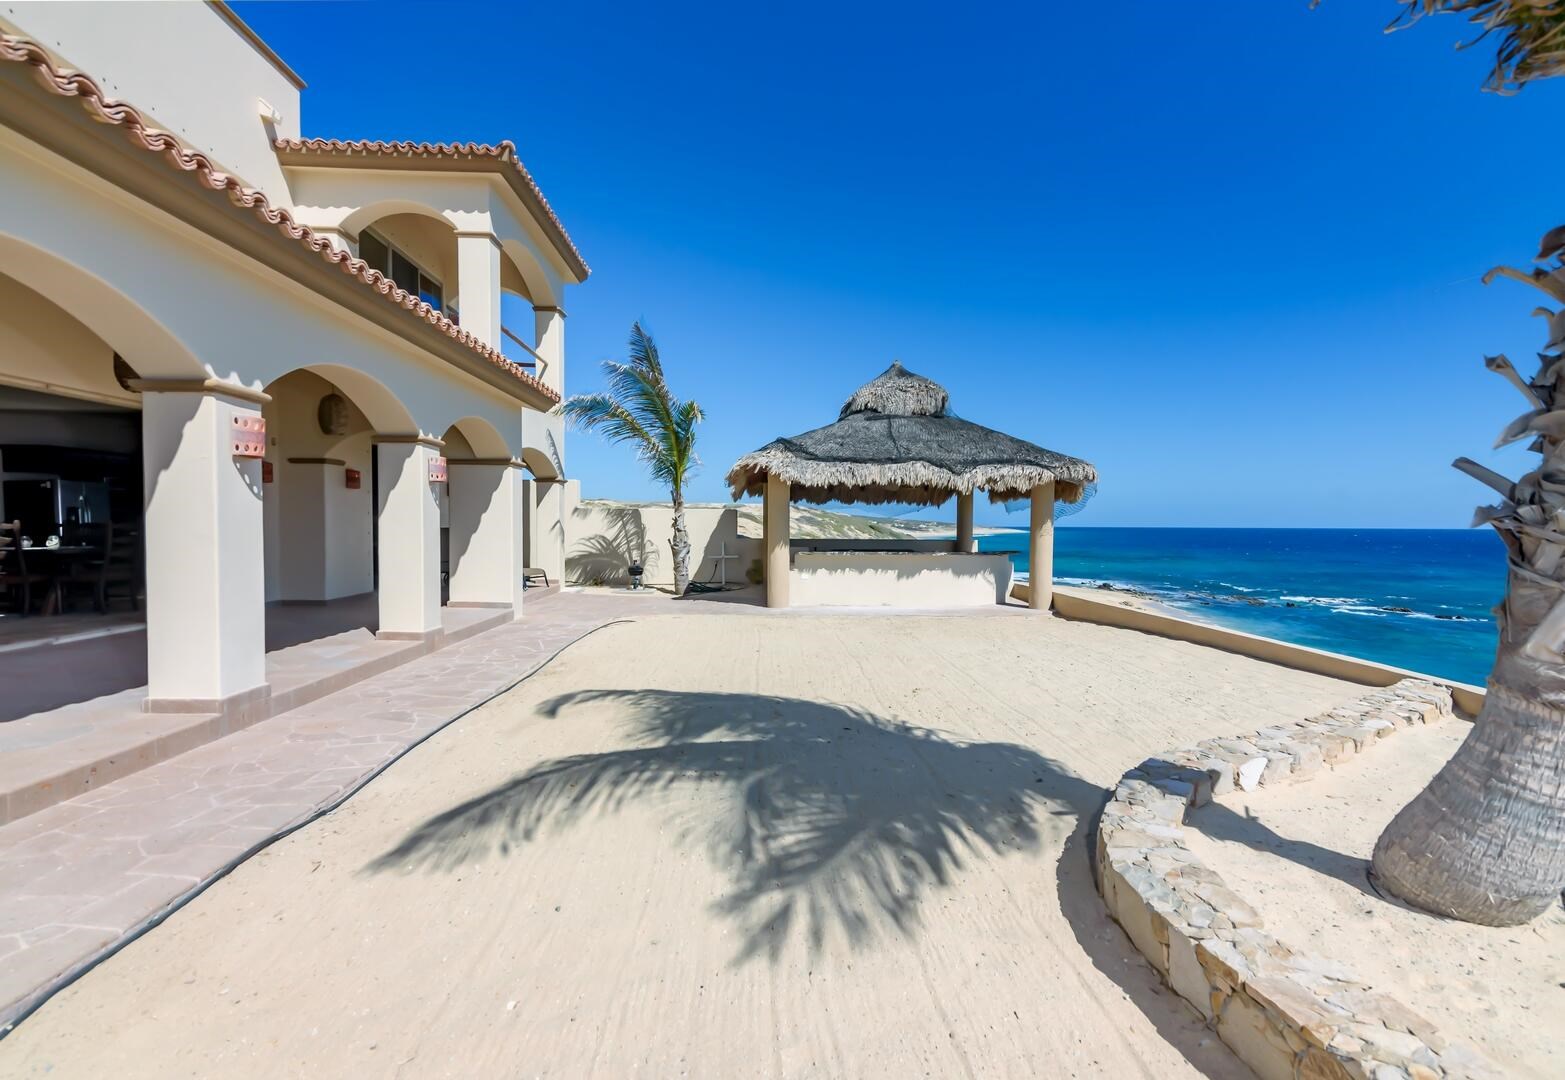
(711,846)
(1300,855)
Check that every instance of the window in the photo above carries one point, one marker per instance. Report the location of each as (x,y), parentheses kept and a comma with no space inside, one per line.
(400,269)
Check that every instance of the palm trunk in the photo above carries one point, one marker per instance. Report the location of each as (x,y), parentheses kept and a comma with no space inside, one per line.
(1485,841)
(681,545)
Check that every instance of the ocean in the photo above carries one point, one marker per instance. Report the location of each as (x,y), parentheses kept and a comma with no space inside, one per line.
(1416,599)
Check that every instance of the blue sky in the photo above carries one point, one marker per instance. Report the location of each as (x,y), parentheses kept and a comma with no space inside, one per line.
(1227,252)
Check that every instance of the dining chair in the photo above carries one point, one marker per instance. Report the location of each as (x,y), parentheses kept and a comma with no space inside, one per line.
(85,572)
(14,575)
(121,570)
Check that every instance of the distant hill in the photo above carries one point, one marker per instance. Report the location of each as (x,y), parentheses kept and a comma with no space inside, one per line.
(813,523)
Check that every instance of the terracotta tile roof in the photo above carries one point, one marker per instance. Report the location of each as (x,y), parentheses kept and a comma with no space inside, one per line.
(503,153)
(68,83)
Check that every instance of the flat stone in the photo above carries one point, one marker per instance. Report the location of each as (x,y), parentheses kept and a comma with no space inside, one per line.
(1279,767)
(1229,903)
(1250,773)
(1395,1047)
(1220,772)
(1307,759)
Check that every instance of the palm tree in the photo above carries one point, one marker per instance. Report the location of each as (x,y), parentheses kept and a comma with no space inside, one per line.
(1485,841)
(638,408)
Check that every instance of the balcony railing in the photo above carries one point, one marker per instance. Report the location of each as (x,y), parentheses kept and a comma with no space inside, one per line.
(534,361)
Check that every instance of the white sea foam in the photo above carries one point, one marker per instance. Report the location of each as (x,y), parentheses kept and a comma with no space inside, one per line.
(1356,609)
(1325,601)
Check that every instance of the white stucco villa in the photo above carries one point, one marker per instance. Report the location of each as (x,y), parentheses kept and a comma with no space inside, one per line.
(286,370)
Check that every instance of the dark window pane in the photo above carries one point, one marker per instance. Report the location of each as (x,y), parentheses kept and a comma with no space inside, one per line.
(403,272)
(429,292)
(372,251)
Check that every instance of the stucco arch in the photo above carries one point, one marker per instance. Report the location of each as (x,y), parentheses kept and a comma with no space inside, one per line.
(366,215)
(382,408)
(153,349)
(543,288)
(484,438)
(539,464)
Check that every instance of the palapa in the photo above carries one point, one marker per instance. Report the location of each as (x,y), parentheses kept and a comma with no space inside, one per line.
(896,441)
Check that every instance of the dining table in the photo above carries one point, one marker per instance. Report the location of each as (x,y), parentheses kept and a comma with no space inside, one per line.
(55,560)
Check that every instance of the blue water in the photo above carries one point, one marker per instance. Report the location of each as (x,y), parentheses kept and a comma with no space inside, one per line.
(1417,599)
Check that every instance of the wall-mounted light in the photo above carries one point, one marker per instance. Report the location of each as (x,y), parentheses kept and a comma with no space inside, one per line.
(354,478)
(437,470)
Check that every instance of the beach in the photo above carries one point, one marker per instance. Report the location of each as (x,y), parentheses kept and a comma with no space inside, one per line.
(729,846)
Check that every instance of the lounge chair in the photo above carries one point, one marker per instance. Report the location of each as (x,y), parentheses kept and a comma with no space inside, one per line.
(530,576)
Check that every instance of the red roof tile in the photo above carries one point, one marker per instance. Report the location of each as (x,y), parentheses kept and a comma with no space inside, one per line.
(68,83)
(501,153)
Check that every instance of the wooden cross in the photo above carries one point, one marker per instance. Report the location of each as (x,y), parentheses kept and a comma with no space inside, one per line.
(721,558)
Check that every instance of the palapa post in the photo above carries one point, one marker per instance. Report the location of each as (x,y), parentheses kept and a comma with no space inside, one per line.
(1040,560)
(964,521)
(774,514)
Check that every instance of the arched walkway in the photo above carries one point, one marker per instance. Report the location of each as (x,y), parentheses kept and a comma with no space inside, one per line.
(484,517)
(318,501)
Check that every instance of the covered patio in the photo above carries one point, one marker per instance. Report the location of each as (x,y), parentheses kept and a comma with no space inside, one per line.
(895,441)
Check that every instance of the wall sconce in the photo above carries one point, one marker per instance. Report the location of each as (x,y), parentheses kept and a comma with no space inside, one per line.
(437,470)
(266,472)
(354,478)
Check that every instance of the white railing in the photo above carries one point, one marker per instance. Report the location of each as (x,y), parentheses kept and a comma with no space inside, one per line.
(537,362)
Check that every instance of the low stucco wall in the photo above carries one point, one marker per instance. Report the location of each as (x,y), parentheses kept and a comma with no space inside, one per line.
(1076,604)
(898,579)
(604,538)
(797,546)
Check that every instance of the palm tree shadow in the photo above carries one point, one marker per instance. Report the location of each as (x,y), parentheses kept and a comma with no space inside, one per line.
(834,821)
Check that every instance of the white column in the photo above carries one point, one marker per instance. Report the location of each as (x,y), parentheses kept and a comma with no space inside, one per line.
(546,527)
(1040,556)
(486,533)
(205,562)
(774,515)
(478,285)
(549,322)
(964,521)
(409,531)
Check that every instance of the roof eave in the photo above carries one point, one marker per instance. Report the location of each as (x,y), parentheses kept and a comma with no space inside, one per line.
(57,110)
(453,157)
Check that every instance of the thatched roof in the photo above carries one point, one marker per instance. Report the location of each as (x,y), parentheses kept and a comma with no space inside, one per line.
(895,441)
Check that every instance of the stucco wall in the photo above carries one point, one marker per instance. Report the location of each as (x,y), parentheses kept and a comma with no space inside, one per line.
(898,579)
(604,537)
(44,348)
(183,64)
(319,532)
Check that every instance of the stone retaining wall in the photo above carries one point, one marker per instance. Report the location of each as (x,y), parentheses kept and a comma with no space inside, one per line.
(1287,1014)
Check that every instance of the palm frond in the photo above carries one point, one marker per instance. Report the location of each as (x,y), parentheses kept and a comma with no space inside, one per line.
(1531,35)
(638,408)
